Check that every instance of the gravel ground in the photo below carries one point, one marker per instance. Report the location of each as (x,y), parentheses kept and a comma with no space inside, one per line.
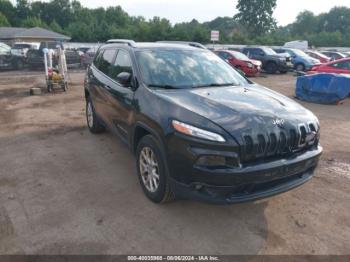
(66,191)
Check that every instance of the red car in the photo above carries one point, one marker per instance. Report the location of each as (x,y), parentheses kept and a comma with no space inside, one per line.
(240,61)
(317,55)
(341,66)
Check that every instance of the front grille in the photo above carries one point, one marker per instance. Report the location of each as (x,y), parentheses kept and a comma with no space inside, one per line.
(263,146)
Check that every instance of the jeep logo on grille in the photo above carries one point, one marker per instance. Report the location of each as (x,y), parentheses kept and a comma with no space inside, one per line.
(278,122)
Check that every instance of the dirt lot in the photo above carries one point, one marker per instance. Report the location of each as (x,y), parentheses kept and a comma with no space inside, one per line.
(65,191)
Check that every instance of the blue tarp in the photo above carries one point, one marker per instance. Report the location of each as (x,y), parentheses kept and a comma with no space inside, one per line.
(323,88)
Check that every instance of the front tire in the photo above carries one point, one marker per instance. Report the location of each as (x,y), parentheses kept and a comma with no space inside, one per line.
(94,124)
(300,67)
(152,171)
(271,68)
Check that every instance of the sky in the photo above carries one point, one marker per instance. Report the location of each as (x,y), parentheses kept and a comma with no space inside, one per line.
(207,10)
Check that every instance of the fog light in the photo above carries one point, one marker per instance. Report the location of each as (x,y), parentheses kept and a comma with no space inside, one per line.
(212,161)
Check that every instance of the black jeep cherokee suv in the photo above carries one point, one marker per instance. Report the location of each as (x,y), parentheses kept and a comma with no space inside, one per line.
(271,61)
(199,129)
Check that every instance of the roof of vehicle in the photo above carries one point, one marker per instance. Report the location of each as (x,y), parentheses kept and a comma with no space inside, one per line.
(229,51)
(316,52)
(328,51)
(157,45)
(340,60)
(194,44)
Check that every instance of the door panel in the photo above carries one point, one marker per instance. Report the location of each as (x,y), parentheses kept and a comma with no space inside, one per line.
(101,81)
(120,104)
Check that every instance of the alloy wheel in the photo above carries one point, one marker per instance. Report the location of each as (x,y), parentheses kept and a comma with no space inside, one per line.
(149,169)
(90,115)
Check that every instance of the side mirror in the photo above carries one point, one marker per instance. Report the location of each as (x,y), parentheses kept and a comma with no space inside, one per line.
(124,78)
(262,54)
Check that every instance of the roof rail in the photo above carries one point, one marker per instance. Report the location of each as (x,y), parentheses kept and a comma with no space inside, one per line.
(122,41)
(193,44)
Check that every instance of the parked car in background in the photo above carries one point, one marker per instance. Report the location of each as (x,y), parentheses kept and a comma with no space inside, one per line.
(88,57)
(286,55)
(197,128)
(83,49)
(318,55)
(4,48)
(298,44)
(240,61)
(341,66)
(347,53)
(300,60)
(35,58)
(271,62)
(21,49)
(9,61)
(334,55)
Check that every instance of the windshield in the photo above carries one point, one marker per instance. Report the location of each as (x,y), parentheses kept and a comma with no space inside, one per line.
(21,46)
(186,69)
(240,56)
(269,51)
(298,52)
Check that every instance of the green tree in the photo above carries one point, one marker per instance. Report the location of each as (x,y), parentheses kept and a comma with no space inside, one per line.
(33,22)
(8,10)
(54,26)
(3,20)
(337,19)
(306,23)
(22,10)
(257,15)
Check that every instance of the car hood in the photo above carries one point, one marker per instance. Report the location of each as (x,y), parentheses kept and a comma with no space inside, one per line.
(255,62)
(310,60)
(240,109)
(277,56)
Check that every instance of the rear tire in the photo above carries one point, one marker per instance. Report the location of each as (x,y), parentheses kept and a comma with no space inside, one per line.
(152,171)
(94,124)
(271,68)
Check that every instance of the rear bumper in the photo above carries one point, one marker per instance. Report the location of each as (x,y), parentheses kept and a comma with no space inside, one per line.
(229,186)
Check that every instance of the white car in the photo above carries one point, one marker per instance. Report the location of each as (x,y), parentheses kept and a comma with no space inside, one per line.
(21,49)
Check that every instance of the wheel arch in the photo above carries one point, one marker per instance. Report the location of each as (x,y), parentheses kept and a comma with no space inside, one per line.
(141,130)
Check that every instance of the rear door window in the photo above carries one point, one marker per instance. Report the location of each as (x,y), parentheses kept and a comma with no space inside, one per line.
(105,61)
(342,65)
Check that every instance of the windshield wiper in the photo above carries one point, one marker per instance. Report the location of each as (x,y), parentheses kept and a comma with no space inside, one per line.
(164,86)
(217,85)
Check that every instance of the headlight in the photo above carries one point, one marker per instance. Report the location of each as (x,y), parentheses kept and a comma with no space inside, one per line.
(196,132)
(282,59)
(250,65)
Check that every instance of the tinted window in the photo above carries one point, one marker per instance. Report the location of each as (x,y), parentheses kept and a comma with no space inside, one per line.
(342,65)
(122,64)
(268,51)
(186,69)
(253,51)
(223,55)
(106,60)
(21,46)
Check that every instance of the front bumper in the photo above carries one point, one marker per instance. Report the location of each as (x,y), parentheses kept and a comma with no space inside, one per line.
(241,184)
(251,71)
